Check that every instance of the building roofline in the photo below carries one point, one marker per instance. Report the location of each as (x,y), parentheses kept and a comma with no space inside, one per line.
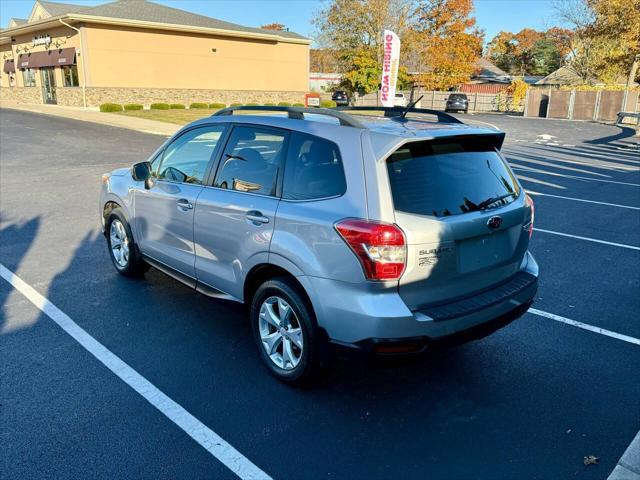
(79,17)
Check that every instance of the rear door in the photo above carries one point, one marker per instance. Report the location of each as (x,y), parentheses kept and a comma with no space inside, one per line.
(464,215)
(235,217)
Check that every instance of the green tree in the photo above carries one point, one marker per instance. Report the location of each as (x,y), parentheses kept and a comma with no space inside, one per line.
(545,58)
(363,74)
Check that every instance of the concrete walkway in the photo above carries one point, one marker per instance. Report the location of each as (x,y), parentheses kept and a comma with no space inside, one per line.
(628,467)
(112,119)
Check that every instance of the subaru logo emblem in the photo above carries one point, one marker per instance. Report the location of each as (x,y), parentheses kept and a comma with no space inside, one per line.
(494,222)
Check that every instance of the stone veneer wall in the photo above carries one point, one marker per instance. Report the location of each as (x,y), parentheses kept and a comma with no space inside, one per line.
(146,96)
(22,94)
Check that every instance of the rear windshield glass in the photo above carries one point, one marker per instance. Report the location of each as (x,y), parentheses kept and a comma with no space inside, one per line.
(449,177)
(458,96)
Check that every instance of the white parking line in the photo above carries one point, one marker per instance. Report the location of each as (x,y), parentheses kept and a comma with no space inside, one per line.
(588,239)
(544,172)
(591,328)
(583,200)
(203,435)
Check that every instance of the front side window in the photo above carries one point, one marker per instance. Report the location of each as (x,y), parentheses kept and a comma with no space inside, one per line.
(251,161)
(70,75)
(186,159)
(29,77)
(450,177)
(314,169)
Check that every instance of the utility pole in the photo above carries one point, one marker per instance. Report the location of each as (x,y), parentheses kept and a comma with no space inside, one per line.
(634,70)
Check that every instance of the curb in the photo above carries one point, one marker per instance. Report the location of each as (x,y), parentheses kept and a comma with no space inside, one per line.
(628,467)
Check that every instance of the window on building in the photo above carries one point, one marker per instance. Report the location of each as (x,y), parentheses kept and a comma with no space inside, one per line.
(29,77)
(70,75)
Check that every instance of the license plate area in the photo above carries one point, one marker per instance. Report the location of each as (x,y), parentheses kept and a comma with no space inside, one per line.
(485,251)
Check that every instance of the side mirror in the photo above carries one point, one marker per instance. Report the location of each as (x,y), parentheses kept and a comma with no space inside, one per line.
(141,172)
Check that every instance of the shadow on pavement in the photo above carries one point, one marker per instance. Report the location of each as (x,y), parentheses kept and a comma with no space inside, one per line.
(15,240)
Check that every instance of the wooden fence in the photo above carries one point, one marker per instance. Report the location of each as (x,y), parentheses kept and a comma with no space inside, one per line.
(600,105)
(478,102)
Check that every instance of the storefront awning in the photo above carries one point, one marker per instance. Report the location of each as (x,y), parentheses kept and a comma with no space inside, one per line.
(9,66)
(51,58)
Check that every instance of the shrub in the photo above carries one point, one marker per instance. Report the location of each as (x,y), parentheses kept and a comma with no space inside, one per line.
(217,105)
(252,104)
(110,107)
(298,105)
(327,104)
(199,105)
(177,106)
(269,104)
(133,106)
(159,106)
(284,104)
(235,104)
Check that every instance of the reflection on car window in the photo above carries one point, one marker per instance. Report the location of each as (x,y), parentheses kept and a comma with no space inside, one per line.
(314,169)
(251,160)
(186,159)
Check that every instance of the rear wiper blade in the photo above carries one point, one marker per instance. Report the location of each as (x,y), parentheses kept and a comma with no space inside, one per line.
(491,200)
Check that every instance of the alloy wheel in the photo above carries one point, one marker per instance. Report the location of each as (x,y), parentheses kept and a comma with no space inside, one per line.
(281,333)
(119,243)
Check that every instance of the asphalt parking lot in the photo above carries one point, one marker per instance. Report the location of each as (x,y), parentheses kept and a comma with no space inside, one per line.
(530,401)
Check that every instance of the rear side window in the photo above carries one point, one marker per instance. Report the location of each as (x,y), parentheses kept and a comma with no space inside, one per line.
(251,160)
(449,177)
(313,170)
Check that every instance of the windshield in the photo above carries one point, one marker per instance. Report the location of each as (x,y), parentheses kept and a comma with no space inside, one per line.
(449,177)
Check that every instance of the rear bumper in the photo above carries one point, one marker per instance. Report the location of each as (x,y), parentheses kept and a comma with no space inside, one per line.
(363,320)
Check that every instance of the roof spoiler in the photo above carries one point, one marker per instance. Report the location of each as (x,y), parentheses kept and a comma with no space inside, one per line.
(297,113)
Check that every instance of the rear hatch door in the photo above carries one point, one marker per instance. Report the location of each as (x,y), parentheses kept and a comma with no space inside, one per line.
(463,213)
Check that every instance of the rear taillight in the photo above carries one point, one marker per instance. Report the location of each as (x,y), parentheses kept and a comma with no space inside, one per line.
(380,247)
(529,203)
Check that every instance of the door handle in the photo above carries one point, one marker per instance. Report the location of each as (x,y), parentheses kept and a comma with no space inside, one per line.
(185,204)
(256,217)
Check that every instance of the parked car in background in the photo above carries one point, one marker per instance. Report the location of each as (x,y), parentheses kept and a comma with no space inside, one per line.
(374,234)
(457,102)
(340,97)
(400,100)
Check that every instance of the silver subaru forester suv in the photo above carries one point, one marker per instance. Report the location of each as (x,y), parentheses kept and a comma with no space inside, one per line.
(384,234)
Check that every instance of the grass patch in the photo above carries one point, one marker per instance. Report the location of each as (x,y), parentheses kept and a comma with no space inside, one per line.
(178,117)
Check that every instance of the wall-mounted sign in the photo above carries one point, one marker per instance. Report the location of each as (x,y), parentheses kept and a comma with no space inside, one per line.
(44,39)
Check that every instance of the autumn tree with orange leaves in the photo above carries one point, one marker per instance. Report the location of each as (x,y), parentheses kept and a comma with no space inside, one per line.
(451,43)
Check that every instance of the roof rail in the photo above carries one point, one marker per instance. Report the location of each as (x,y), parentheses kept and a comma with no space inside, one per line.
(295,112)
(397,112)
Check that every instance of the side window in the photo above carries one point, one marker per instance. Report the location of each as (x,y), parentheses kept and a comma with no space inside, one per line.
(186,159)
(251,161)
(313,170)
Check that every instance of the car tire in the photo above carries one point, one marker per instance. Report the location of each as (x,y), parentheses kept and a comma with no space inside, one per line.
(280,349)
(123,250)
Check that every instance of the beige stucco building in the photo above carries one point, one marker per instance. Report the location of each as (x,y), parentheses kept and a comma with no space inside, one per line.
(136,51)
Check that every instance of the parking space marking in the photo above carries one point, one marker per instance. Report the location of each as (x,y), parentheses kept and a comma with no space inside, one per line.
(588,239)
(585,326)
(203,435)
(544,172)
(583,200)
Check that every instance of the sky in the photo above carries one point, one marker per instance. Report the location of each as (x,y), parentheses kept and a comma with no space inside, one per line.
(491,15)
